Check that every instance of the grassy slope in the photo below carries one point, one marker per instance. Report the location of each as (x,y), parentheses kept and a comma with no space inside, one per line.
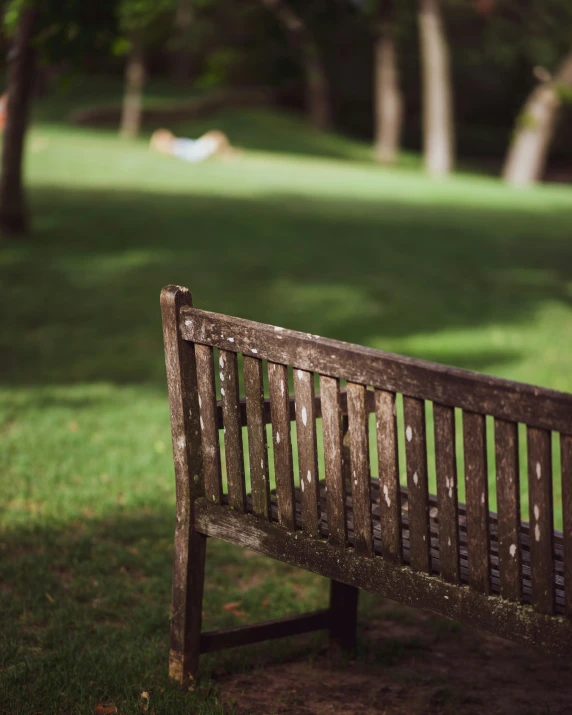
(303,232)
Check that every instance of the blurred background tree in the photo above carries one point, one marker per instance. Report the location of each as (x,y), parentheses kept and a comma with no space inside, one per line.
(484,79)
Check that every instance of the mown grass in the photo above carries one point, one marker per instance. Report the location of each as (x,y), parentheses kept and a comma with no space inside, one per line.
(303,231)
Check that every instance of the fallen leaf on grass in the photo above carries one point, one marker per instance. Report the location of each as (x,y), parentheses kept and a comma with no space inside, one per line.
(105,710)
(144,699)
(50,598)
(233,607)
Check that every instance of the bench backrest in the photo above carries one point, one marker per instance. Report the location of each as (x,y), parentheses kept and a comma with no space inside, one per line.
(372,381)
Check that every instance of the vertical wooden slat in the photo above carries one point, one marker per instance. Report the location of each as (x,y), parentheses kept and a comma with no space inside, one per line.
(566,459)
(508,508)
(416,458)
(209,427)
(389,490)
(361,478)
(307,452)
(346,466)
(259,478)
(283,467)
(232,429)
(446,466)
(332,431)
(476,490)
(541,518)
(190,545)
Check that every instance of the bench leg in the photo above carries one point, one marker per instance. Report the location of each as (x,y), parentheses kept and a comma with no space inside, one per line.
(188,585)
(343,618)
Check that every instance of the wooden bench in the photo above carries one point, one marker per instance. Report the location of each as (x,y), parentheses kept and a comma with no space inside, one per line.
(491,570)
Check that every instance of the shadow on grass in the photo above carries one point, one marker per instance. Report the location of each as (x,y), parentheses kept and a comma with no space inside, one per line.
(82,294)
(85,614)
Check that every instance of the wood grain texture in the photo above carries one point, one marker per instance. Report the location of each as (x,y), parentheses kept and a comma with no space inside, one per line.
(346,457)
(477,500)
(307,450)
(360,471)
(416,458)
(390,497)
(332,433)
(541,518)
(189,546)
(566,461)
(209,428)
(446,467)
(233,448)
(283,466)
(471,391)
(508,506)
(257,449)
(499,616)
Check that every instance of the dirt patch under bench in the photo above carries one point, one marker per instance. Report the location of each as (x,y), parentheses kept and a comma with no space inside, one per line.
(409,662)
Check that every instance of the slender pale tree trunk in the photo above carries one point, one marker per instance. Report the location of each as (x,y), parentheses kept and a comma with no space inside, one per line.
(21,75)
(528,151)
(317,86)
(133,96)
(181,55)
(438,127)
(388,100)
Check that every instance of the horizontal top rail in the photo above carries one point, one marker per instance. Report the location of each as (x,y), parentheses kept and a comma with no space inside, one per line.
(504,399)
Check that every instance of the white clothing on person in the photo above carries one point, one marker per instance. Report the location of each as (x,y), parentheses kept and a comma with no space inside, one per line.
(194,150)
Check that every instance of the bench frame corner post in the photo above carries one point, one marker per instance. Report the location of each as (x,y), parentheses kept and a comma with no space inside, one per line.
(189,544)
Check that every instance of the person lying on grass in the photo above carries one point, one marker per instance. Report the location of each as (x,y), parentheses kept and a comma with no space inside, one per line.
(214,142)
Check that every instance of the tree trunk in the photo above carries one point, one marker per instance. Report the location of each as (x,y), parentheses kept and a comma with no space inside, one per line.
(317,86)
(181,54)
(21,75)
(317,90)
(534,129)
(388,100)
(438,129)
(132,99)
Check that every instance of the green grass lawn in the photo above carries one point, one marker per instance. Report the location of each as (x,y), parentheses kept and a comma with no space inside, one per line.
(303,231)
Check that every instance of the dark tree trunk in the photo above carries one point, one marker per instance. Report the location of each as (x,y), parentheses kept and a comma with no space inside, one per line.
(388,100)
(438,127)
(133,97)
(21,75)
(181,54)
(317,86)
(535,126)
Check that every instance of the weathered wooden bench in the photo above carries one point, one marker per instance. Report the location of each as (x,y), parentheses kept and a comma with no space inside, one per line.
(491,570)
